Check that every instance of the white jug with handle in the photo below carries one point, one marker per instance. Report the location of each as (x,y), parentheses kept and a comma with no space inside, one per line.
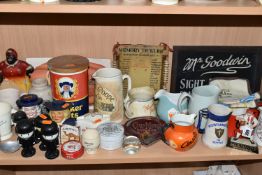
(109,92)
(201,97)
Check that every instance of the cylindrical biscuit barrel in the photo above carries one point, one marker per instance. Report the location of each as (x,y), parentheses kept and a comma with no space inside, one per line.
(69,82)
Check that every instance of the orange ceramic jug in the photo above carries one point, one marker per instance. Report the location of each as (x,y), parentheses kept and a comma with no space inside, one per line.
(182,134)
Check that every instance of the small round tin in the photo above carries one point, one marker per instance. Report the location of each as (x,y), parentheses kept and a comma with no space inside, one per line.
(131,144)
(111,135)
(72,150)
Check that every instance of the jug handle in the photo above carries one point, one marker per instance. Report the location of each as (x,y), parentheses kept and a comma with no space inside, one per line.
(180,100)
(127,103)
(129,85)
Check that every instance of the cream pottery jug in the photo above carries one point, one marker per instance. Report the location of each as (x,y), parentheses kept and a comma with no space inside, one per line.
(169,105)
(109,92)
(140,102)
(201,97)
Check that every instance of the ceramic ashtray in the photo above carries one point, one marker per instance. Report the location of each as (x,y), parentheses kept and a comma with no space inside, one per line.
(147,129)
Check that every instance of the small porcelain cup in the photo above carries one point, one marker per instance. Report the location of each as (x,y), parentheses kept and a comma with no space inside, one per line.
(140,102)
(215,135)
(5,121)
(10,95)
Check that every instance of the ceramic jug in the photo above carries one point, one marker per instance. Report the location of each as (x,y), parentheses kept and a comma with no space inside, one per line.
(169,105)
(216,135)
(182,134)
(140,102)
(200,98)
(109,92)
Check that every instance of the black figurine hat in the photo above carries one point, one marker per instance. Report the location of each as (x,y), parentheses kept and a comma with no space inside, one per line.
(57,105)
(49,128)
(24,126)
(28,100)
(19,115)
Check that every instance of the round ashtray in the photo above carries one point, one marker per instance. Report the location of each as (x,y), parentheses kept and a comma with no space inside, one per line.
(131,145)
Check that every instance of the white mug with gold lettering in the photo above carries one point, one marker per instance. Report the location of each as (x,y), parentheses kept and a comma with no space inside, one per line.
(5,121)
(140,102)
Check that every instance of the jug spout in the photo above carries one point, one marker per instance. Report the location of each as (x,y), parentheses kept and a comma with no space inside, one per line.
(184,120)
(159,94)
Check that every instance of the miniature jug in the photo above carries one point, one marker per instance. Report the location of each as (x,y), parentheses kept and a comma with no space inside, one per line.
(182,134)
(140,102)
(168,104)
(201,97)
(109,92)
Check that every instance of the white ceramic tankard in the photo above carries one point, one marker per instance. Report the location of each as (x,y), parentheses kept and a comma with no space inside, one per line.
(5,121)
(215,135)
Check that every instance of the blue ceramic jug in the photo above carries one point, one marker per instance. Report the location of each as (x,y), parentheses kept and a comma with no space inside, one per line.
(168,105)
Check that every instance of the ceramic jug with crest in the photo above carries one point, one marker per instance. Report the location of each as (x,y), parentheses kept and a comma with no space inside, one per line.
(168,105)
(181,134)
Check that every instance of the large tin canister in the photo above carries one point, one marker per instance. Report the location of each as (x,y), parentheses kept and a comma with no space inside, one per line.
(69,82)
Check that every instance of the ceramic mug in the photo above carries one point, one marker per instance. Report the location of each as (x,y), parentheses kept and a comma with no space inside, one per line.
(215,135)
(5,121)
(140,102)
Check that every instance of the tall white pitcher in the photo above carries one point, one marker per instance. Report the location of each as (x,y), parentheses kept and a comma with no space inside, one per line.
(201,97)
(109,92)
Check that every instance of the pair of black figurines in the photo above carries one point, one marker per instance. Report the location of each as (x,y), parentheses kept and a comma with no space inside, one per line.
(32,131)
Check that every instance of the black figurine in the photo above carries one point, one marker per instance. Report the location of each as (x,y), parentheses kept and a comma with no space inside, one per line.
(38,122)
(49,133)
(17,116)
(26,137)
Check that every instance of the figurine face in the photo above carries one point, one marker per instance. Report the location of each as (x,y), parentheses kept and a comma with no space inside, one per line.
(52,137)
(10,57)
(59,116)
(26,136)
(32,111)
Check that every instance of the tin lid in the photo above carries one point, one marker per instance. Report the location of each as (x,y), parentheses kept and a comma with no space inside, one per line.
(111,129)
(68,64)
(72,150)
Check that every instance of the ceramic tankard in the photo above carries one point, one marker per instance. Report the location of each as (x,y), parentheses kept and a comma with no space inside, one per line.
(109,92)
(5,121)
(215,135)
(140,102)
(200,98)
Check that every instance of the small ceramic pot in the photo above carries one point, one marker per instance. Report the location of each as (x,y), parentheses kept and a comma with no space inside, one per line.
(90,140)
(41,89)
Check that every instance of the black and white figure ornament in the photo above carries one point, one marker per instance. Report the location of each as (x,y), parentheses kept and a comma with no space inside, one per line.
(25,132)
(38,122)
(17,116)
(50,132)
